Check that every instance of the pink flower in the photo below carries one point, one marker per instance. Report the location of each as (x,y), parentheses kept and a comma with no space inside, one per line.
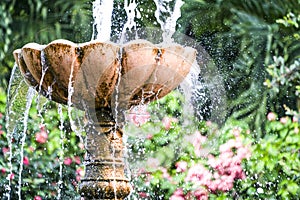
(181,166)
(295,119)
(201,194)
(78,178)
(77,160)
(199,174)
(167,122)
(236,132)
(68,161)
(11,176)
(81,146)
(25,160)
(3,170)
(37,198)
(143,194)
(243,152)
(74,183)
(139,115)
(5,150)
(271,116)
(31,149)
(42,136)
(149,136)
(165,174)
(212,161)
(80,172)
(39,175)
(197,140)
(178,195)
(283,120)
(226,183)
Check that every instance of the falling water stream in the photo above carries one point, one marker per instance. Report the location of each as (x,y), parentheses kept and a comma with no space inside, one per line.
(29,98)
(61,153)
(14,90)
(102,12)
(167,17)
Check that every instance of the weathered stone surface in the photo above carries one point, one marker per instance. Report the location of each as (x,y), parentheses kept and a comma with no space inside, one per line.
(147,71)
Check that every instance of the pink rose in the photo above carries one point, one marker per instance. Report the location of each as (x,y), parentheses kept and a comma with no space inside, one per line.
(81,146)
(37,198)
(283,120)
(271,116)
(178,195)
(143,194)
(42,136)
(11,176)
(181,166)
(295,119)
(5,150)
(139,115)
(25,160)
(167,122)
(149,136)
(80,172)
(68,161)
(77,160)
(201,194)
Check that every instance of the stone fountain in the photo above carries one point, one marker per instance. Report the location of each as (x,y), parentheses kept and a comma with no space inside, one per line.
(104,79)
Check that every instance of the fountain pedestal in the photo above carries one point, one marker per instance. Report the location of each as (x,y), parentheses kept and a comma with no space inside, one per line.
(104,176)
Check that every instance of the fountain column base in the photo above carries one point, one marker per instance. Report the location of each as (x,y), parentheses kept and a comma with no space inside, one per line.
(104,173)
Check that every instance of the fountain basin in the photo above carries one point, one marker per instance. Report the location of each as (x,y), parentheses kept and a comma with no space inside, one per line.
(92,69)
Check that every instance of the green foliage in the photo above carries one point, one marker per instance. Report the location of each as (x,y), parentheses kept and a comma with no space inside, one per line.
(273,170)
(242,37)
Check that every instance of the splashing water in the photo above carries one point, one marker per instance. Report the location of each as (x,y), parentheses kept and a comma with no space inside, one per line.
(102,12)
(132,12)
(167,17)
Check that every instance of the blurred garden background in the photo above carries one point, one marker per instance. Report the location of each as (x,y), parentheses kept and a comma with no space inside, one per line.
(253,154)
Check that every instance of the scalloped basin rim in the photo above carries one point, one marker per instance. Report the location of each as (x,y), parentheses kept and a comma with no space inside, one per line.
(92,67)
(40,47)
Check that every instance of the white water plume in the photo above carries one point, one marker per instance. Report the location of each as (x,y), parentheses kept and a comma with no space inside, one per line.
(102,13)
(167,17)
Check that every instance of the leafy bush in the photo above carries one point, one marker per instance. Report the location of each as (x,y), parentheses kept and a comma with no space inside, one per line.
(273,170)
